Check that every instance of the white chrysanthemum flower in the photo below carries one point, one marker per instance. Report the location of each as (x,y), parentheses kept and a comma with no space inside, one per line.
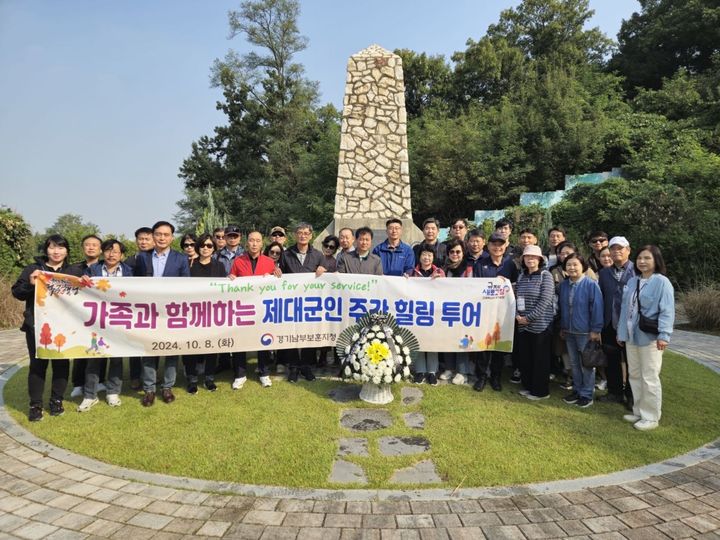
(370,335)
(364,378)
(398,378)
(356,376)
(355,337)
(348,371)
(375,328)
(399,340)
(389,331)
(376,380)
(356,366)
(363,340)
(406,372)
(380,335)
(387,379)
(375,340)
(406,350)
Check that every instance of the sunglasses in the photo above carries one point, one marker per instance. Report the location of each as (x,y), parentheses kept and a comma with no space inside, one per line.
(274,252)
(277,234)
(219,236)
(598,240)
(330,246)
(188,244)
(209,246)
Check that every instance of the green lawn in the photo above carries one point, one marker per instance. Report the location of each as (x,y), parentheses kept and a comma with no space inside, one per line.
(287,435)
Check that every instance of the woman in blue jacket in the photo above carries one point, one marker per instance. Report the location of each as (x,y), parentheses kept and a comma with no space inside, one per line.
(651,294)
(581,321)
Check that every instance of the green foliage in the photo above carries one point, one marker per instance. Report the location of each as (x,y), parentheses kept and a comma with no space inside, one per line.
(665,36)
(428,81)
(702,307)
(15,242)
(271,161)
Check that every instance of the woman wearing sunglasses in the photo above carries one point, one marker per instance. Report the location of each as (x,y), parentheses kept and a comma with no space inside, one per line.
(188,243)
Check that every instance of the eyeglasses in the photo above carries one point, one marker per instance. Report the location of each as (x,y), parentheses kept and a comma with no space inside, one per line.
(208,246)
(188,244)
(598,240)
(219,236)
(112,252)
(459,227)
(274,252)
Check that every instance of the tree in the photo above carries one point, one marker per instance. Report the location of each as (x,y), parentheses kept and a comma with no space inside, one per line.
(45,335)
(15,242)
(59,341)
(427,82)
(665,36)
(257,164)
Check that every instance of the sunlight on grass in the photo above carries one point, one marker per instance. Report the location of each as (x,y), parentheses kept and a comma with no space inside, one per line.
(287,435)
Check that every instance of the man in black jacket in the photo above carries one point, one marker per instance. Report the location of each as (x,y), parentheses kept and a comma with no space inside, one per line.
(298,259)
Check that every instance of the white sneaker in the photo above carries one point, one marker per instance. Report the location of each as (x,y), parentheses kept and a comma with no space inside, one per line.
(265,381)
(77,391)
(113,400)
(459,378)
(101,387)
(533,397)
(524,393)
(645,425)
(445,375)
(632,418)
(238,383)
(87,404)
(280,369)
(602,385)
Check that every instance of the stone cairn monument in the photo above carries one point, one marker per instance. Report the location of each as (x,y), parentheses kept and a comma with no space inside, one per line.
(373,181)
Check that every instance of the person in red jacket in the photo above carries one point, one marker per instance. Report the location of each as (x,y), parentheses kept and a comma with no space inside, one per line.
(252,263)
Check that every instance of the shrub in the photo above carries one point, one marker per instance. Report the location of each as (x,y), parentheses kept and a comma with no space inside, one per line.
(11,310)
(702,307)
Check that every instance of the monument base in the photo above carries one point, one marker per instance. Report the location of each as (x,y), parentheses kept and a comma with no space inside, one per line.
(411,234)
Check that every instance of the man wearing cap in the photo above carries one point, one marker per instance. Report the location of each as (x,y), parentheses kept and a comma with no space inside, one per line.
(277,234)
(232,247)
(397,257)
(497,263)
(612,281)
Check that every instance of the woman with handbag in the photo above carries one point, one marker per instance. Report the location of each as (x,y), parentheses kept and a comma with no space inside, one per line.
(581,321)
(646,323)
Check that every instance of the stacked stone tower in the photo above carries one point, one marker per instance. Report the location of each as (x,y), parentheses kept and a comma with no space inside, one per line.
(373,182)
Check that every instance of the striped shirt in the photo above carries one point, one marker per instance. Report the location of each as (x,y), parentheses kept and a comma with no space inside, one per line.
(536,292)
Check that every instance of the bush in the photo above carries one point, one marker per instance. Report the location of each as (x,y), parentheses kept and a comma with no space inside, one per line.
(702,307)
(11,310)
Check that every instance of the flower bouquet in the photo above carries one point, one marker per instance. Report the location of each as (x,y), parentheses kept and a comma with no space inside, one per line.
(376,352)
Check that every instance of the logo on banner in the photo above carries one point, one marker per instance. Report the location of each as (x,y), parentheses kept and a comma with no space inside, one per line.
(500,290)
(266,339)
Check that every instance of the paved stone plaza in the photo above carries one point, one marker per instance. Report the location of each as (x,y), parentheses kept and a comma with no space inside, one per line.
(46,492)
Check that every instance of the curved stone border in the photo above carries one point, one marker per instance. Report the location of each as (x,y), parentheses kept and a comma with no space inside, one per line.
(22,436)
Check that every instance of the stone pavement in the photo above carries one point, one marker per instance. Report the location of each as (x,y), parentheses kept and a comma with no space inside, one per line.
(46,492)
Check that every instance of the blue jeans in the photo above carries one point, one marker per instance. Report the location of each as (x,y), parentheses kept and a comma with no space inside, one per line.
(149,372)
(113,383)
(426,362)
(458,361)
(583,378)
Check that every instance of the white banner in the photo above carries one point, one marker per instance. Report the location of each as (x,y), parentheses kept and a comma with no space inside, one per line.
(144,316)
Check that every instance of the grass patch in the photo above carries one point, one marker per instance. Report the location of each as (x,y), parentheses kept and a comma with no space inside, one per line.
(287,435)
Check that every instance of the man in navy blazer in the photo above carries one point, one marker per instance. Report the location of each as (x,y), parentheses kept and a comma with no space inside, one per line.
(161,262)
(612,281)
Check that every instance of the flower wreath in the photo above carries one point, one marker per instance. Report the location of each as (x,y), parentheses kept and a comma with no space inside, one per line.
(376,350)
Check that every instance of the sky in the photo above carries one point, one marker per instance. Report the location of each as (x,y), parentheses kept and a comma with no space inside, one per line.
(101,100)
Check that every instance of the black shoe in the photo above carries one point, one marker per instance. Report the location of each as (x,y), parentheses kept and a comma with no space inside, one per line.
(210,386)
(611,398)
(293,374)
(192,389)
(35,414)
(515,378)
(56,407)
(495,383)
(306,372)
(571,399)
(419,378)
(479,384)
(432,379)
(584,403)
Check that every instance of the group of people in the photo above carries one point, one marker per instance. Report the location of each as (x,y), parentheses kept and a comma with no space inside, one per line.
(563,302)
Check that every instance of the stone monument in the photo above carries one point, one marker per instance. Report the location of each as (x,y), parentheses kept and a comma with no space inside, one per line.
(373,181)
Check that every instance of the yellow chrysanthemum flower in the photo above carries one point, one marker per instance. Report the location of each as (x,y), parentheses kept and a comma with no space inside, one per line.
(377,352)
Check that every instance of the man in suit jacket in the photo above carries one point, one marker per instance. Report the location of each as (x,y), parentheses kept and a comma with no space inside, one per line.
(161,262)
